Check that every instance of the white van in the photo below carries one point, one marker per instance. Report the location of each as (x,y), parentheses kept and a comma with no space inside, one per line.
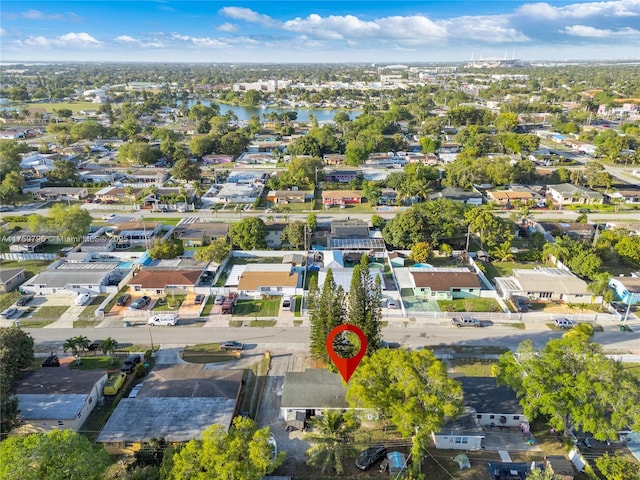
(82,298)
(165,319)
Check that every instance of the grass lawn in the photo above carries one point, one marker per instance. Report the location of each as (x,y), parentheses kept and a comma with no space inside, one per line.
(52,311)
(86,323)
(472,368)
(298,310)
(469,305)
(505,269)
(206,311)
(173,302)
(207,353)
(75,107)
(263,323)
(8,299)
(257,308)
(36,323)
(90,310)
(98,363)
(166,221)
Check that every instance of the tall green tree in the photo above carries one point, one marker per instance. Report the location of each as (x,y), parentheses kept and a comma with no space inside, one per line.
(63,173)
(600,285)
(332,440)
(185,169)
(294,234)
(216,251)
(72,222)
(249,234)
(327,311)
(242,453)
(409,388)
(16,353)
(365,310)
(57,455)
(491,230)
(617,468)
(574,385)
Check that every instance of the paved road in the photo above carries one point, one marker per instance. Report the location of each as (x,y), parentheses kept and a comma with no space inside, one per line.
(282,340)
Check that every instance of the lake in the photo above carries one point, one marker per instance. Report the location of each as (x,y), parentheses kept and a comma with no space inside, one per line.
(304,115)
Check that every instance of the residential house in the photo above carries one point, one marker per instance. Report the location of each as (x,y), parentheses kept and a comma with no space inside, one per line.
(332,259)
(340,197)
(573,230)
(341,176)
(567,194)
(156,281)
(135,232)
(310,392)
(198,234)
(257,158)
(28,243)
(349,229)
(100,175)
(98,244)
(274,234)
(550,284)
(215,159)
(627,194)
(177,403)
(458,195)
(632,228)
(343,276)
(510,198)
(118,194)
(144,177)
(627,289)
(90,277)
(10,279)
(444,283)
(248,177)
(388,196)
(397,259)
(237,193)
(50,194)
(283,197)
(487,406)
(334,158)
(57,398)
(256,280)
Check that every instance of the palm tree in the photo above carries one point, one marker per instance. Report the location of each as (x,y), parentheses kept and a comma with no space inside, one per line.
(600,285)
(332,439)
(503,252)
(82,342)
(70,344)
(558,250)
(108,346)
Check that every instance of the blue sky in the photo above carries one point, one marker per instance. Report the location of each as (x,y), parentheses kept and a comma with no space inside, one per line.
(287,31)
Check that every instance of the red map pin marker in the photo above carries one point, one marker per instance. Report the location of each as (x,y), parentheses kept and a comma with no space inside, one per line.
(346,366)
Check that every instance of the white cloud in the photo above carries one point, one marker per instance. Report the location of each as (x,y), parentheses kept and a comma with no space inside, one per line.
(71,39)
(3,32)
(491,29)
(227,27)
(199,41)
(621,8)
(125,39)
(39,15)
(248,15)
(592,32)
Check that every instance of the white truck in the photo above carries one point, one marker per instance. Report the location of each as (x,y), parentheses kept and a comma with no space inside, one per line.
(165,319)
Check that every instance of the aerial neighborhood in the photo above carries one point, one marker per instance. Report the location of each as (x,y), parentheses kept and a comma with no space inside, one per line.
(179,240)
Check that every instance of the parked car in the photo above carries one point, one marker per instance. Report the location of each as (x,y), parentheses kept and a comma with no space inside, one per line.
(619,307)
(166,319)
(109,217)
(130,363)
(123,300)
(466,322)
(139,303)
(199,299)
(51,361)
(522,304)
(564,323)
(219,300)
(231,345)
(135,390)
(287,304)
(95,345)
(370,456)
(391,303)
(23,300)
(82,299)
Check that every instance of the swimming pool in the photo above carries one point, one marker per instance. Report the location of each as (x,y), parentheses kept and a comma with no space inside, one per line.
(422,265)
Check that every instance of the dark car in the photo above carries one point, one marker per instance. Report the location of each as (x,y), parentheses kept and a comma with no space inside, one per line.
(22,301)
(123,300)
(140,303)
(51,361)
(130,363)
(95,345)
(231,345)
(199,299)
(370,456)
(619,307)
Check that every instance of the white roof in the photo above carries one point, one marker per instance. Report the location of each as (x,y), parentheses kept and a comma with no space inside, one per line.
(343,276)
(48,406)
